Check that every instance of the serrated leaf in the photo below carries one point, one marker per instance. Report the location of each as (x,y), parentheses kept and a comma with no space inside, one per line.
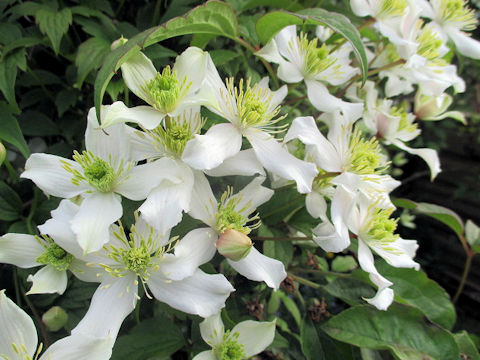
(401,329)
(23,42)
(90,56)
(344,263)
(442,214)
(157,337)
(10,203)
(10,131)
(468,350)
(271,23)
(54,24)
(416,289)
(213,17)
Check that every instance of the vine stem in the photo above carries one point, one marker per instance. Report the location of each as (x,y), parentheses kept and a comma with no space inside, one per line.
(37,317)
(304,281)
(268,238)
(466,270)
(265,63)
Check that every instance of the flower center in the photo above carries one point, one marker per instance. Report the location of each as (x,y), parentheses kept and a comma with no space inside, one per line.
(390,8)
(55,256)
(365,156)
(429,45)
(457,11)
(230,349)
(317,59)
(165,90)
(406,123)
(229,218)
(381,227)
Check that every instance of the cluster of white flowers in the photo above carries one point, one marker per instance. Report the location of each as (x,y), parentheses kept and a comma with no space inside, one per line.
(163,156)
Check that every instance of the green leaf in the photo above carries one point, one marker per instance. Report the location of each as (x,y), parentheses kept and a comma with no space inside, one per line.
(468,350)
(213,17)
(401,329)
(65,100)
(416,289)
(442,214)
(280,250)
(220,57)
(369,354)
(310,342)
(36,123)
(54,24)
(8,75)
(351,291)
(90,56)
(23,42)
(472,234)
(10,203)
(157,337)
(271,23)
(344,263)
(275,4)
(291,307)
(10,131)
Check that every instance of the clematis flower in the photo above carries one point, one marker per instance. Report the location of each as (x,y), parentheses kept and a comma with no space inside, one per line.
(231,214)
(434,108)
(300,59)
(168,268)
(57,252)
(168,93)
(252,111)
(245,340)
(100,175)
(452,19)
(18,339)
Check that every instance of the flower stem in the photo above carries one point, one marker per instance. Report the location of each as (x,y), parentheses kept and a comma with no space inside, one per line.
(304,281)
(268,238)
(41,325)
(466,270)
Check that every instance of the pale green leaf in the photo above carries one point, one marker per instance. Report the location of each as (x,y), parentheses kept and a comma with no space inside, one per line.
(468,350)
(344,263)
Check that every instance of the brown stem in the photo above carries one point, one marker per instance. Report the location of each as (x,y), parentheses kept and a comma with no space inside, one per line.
(466,270)
(268,238)
(41,325)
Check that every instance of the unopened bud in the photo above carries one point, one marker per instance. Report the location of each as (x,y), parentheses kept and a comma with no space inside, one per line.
(234,245)
(118,43)
(55,318)
(3,153)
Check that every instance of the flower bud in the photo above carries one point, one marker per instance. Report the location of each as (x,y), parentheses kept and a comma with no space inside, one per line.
(118,43)
(3,153)
(234,245)
(55,318)
(435,108)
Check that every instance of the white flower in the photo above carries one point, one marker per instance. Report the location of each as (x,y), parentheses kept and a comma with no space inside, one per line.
(18,339)
(58,252)
(300,59)
(245,340)
(252,111)
(99,174)
(434,108)
(232,213)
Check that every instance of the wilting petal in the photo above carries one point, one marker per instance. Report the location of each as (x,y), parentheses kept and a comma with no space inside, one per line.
(137,72)
(17,328)
(48,280)
(112,302)
(278,160)
(206,152)
(244,163)
(20,250)
(258,267)
(91,224)
(256,336)
(212,330)
(195,248)
(47,172)
(200,294)
(430,156)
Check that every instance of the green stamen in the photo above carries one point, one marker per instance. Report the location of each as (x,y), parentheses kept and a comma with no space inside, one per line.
(404,123)
(381,227)
(55,256)
(429,45)
(365,156)
(458,11)
(230,349)
(390,8)
(317,59)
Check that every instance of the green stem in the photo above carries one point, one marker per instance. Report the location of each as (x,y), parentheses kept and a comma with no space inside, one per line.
(268,238)
(321,272)
(31,213)
(466,270)
(11,170)
(41,325)
(304,281)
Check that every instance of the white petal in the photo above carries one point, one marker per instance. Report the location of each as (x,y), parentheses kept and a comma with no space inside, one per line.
(112,302)
(361,7)
(47,172)
(80,347)
(465,44)
(287,42)
(316,205)
(203,205)
(143,146)
(205,152)
(398,253)
(164,206)
(278,160)
(200,294)
(205,355)
(108,144)
(258,267)
(137,72)
(146,116)
(244,163)
(256,336)
(270,53)
(252,196)
(20,250)
(195,248)
(289,72)
(212,330)
(97,212)
(322,100)
(140,181)
(382,299)
(192,64)
(430,156)
(87,273)
(17,327)
(48,280)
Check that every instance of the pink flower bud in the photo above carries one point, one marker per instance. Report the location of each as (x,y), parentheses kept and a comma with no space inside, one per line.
(234,245)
